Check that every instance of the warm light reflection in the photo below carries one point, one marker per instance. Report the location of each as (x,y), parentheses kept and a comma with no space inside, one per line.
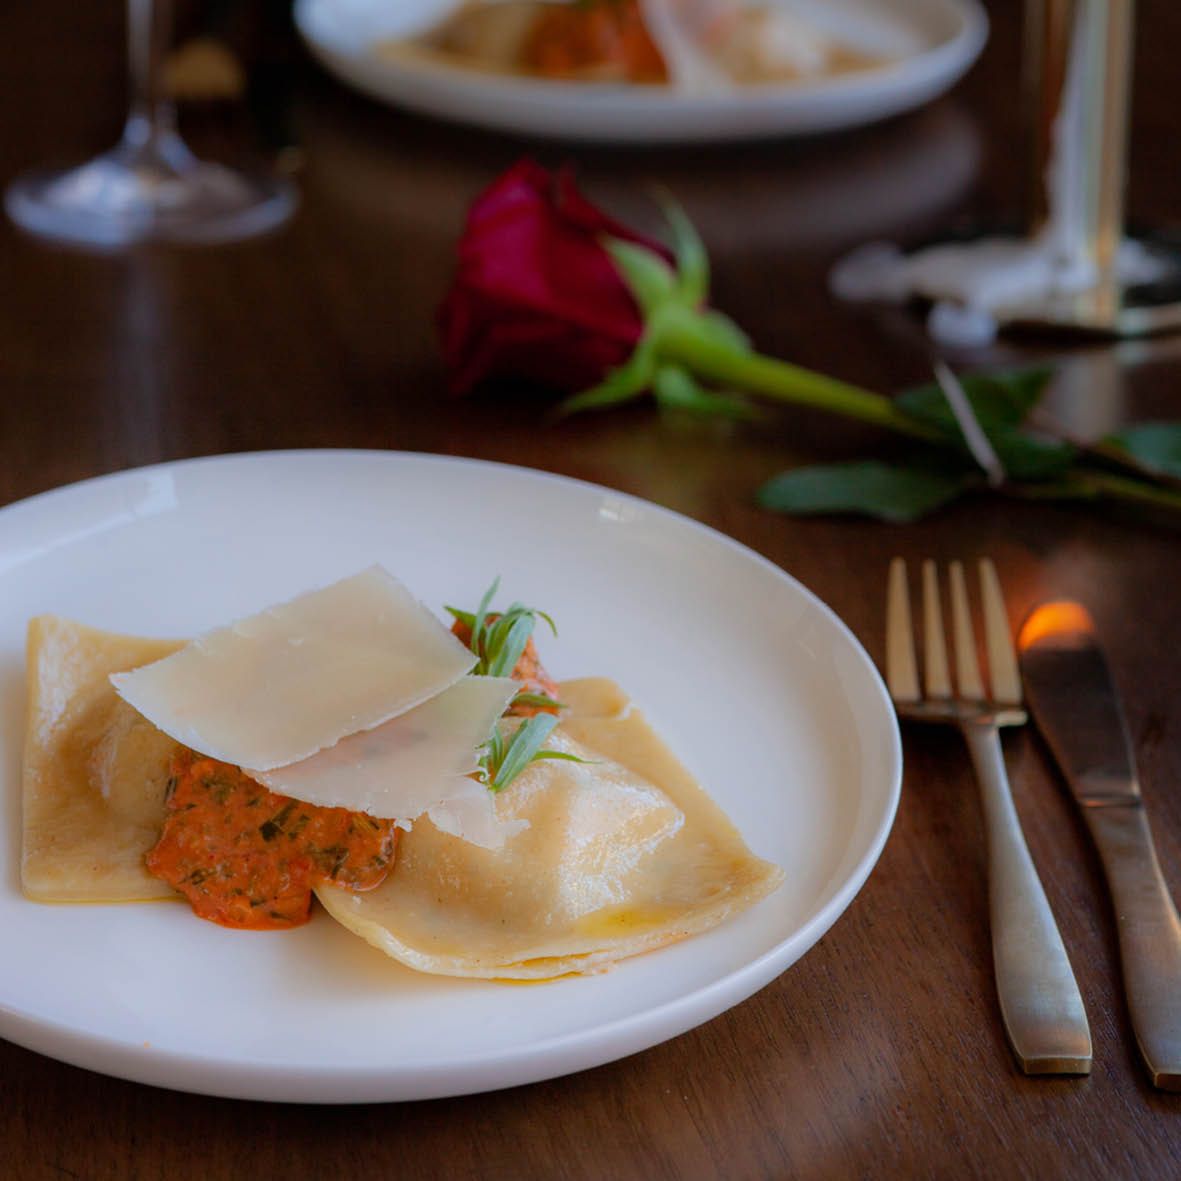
(1059,618)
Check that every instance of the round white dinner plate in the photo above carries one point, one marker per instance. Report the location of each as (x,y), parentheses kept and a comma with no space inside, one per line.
(936,40)
(763,692)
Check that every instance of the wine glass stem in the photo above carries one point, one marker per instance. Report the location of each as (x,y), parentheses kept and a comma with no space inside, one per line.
(151,120)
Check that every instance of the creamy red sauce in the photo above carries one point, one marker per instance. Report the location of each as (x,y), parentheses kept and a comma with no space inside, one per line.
(248,858)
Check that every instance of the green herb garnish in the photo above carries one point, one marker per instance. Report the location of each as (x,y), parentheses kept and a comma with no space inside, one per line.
(504,759)
(498,640)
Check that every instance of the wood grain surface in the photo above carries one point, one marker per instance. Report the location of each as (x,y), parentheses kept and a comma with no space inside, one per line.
(881,1054)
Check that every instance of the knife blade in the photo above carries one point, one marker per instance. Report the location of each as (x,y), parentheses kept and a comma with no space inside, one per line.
(1076,706)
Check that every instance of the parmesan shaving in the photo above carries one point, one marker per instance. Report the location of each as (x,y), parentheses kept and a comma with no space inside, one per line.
(277,687)
(403,767)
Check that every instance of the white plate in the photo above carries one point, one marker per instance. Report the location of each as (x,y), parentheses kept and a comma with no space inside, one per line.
(762,690)
(943,39)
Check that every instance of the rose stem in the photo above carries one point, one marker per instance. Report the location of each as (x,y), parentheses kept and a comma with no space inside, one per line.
(755,374)
(1127,488)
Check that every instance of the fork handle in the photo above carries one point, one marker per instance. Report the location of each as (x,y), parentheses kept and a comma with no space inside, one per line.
(1040,1001)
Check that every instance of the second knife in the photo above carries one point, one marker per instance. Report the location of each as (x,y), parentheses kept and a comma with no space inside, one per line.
(1073,699)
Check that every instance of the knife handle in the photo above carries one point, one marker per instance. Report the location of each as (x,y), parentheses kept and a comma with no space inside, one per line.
(1039,996)
(1149,934)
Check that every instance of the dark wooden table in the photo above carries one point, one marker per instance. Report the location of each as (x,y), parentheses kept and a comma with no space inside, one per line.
(881,1053)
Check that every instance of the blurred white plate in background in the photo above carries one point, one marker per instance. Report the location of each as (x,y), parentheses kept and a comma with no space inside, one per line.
(946,36)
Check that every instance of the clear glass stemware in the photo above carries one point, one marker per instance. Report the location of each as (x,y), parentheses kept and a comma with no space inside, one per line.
(149,187)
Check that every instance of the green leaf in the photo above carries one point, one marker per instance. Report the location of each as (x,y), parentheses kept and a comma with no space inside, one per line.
(522,748)
(675,388)
(632,379)
(465,617)
(999,400)
(505,641)
(540,700)
(503,760)
(876,489)
(482,615)
(568,756)
(492,757)
(721,330)
(1157,445)
(648,277)
(499,638)
(692,259)
(1028,457)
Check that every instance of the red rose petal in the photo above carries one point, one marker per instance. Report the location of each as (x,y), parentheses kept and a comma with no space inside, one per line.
(535,295)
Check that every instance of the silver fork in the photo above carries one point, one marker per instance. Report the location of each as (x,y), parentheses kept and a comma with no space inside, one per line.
(1039,997)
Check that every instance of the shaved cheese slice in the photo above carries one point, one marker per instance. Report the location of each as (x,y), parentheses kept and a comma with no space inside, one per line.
(469,813)
(281,685)
(406,765)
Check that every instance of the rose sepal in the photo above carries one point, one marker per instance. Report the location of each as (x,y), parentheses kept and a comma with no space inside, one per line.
(687,349)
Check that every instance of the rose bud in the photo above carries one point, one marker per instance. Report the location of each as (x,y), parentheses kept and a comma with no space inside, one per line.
(536,295)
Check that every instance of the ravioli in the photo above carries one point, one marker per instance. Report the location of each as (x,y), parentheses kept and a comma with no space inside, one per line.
(622,853)
(95,771)
(579,863)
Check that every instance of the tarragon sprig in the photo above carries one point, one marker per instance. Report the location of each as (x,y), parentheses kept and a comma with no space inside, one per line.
(498,640)
(503,759)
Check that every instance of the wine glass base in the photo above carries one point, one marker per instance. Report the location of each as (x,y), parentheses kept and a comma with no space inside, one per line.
(1116,307)
(124,198)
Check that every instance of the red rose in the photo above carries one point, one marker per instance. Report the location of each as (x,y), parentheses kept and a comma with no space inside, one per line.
(536,296)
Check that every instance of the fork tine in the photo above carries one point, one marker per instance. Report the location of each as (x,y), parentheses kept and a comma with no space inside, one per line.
(967,667)
(902,673)
(935,670)
(1002,659)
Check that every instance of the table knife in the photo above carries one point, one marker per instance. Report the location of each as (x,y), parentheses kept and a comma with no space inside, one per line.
(1073,700)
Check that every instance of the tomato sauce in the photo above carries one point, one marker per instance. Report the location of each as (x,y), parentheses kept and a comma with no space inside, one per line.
(247,857)
(607,39)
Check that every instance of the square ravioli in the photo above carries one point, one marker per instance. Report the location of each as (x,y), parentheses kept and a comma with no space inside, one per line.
(95,771)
